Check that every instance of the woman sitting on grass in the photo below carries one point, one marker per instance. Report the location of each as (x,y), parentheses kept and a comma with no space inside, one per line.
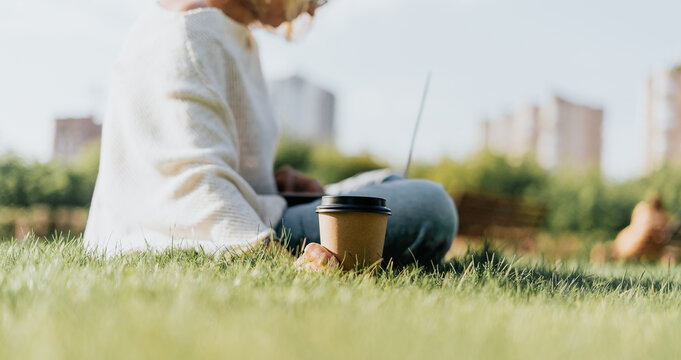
(189,143)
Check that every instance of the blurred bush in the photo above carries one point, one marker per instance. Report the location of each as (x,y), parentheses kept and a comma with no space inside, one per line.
(55,196)
(294,153)
(582,202)
(577,202)
(666,183)
(27,183)
(324,162)
(486,173)
(588,203)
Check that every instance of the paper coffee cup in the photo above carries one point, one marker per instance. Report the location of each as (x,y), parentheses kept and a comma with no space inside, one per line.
(353,228)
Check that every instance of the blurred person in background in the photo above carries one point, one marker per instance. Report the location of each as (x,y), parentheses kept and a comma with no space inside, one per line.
(189,142)
(646,238)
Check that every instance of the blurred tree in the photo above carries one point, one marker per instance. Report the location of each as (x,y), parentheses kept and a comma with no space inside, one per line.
(665,182)
(486,173)
(83,174)
(323,162)
(23,184)
(294,153)
(576,202)
(12,179)
(588,202)
(329,165)
(47,184)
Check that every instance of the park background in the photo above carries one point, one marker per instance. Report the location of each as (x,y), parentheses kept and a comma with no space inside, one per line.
(505,76)
(498,69)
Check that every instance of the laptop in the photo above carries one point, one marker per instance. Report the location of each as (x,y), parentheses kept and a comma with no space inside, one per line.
(293,199)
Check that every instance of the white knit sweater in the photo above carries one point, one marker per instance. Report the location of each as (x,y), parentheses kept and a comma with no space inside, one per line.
(189,140)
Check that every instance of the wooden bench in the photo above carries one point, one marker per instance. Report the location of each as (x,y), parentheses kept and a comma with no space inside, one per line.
(509,220)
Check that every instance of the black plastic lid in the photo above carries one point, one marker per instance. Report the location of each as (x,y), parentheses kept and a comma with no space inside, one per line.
(335,204)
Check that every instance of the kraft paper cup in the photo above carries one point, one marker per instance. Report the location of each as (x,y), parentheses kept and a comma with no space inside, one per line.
(353,228)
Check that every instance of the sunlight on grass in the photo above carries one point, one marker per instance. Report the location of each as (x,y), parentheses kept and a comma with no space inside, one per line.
(58,302)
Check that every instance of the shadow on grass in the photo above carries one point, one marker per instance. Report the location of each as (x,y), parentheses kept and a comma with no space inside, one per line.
(480,267)
(488,264)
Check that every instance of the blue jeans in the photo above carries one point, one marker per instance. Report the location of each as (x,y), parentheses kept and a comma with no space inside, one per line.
(421,228)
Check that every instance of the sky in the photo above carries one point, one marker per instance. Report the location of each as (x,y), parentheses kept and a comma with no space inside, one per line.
(487,57)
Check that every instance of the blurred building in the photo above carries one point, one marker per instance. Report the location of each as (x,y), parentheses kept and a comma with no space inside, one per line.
(305,111)
(663,119)
(72,135)
(557,134)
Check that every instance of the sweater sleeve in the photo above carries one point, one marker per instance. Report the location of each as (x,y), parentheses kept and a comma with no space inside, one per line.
(202,178)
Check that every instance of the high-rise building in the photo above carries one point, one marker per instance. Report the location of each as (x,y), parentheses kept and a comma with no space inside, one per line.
(558,134)
(305,111)
(514,134)
(72,135)
(663,119)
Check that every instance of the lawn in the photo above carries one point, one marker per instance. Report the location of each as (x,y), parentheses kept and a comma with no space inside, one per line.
(58,302)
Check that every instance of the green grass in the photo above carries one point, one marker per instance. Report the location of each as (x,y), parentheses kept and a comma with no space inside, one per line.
(58,302)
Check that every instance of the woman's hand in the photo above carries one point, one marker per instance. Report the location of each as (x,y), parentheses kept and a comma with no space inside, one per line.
(292,181)
(317,258)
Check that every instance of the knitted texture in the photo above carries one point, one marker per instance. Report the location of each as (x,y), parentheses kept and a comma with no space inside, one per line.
(188,141)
